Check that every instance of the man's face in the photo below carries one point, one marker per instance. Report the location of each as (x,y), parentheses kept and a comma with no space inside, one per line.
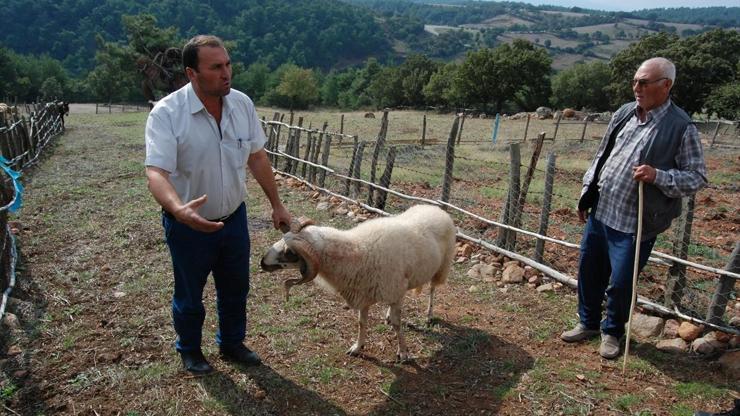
(650,87)
(213,77)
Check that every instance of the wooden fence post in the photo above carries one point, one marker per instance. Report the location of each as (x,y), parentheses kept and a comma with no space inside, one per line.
(341,125)
(356,170)
(714,136)
(325,159)
(724,288)
(539,248)
(676,280)
(459,131)
(385,179)
(347,182)
(583,132)
(307,154)
(514,192)
(557,126)
(519,207)
(423,130)
(289,149)
(379,143)
(450,160)
(526,127)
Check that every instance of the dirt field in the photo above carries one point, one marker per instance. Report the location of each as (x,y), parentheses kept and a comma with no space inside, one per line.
(95,337)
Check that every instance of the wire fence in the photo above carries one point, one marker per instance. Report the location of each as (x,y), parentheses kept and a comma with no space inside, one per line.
(22,139)
(515,204)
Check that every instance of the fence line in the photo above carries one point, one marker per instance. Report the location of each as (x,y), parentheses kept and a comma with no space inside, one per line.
(342,169)
(21,144)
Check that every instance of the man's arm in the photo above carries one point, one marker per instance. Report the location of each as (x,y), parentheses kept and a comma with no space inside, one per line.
(260,167)
(691,174)
(158,181)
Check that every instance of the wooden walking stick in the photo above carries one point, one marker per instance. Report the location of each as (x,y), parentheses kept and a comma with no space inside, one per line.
(635,272)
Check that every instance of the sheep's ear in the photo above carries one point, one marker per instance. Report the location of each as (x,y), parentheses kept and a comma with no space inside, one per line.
(299,223)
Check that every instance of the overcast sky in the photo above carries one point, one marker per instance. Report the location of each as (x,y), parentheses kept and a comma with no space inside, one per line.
(629,5)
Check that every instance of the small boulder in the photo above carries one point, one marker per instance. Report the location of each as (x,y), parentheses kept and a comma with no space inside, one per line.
(673,345)
(689,332)
(543,112)
(547,287)
(474,271)
(670,328)
(513,274)
(646,326)
(703,346)
(569,113)
(322,206)
(487,271)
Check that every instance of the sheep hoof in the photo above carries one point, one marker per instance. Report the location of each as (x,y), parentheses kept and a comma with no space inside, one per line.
(355,350)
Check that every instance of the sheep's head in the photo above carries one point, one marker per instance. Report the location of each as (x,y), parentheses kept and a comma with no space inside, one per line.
(293,251)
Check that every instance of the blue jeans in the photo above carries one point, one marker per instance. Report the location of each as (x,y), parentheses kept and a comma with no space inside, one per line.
(196,254)
(606,265)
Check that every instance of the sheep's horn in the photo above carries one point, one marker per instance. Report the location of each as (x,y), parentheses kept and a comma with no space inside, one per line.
(309,263)
(297,224)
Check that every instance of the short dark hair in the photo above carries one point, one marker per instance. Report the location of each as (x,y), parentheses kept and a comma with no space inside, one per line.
(190,51)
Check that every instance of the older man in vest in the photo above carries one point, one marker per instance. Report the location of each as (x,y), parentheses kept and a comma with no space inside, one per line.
(650,140)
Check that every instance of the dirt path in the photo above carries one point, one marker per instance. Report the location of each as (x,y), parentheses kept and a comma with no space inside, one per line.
(95,335)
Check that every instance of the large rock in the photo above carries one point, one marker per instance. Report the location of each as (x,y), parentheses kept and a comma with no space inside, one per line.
(689,332)
(544,112)
(707,345)
(569,113)
(646,326)
(670,328)
(673,345)
(513,274)
(730,362)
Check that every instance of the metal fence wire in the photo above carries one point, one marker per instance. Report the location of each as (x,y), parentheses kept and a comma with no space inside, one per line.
(508,194)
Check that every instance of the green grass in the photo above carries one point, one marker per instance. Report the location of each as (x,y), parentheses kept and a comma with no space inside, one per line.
(627,402)
(693,390)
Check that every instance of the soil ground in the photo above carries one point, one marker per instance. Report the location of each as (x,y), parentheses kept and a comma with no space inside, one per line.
(95,335)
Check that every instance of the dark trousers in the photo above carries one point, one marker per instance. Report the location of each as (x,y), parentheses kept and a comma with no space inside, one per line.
(196,254)
(606,265)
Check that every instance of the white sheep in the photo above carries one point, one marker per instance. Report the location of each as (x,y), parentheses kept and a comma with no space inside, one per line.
(377,261)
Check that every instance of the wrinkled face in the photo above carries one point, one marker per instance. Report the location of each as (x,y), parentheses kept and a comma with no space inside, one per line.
(280,256)
(650,86)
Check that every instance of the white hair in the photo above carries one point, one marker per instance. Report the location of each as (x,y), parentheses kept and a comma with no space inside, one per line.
(667,68)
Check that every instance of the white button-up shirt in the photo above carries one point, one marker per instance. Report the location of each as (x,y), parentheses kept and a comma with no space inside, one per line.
(183,139)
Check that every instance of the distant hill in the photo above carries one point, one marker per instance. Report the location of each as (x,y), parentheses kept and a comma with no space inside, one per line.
(333,34)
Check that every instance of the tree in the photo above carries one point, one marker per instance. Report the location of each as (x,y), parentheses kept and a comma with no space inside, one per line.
(519,72)
(439,90)
(582,85)
(299,87)
(703,63)
(414,74)
(253,81)
(51,89)
(724,101)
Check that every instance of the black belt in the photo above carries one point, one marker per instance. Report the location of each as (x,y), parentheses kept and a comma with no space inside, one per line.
(222,219)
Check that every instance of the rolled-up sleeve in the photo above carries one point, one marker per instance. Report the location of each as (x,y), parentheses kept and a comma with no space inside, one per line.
(691,174)
(161,144)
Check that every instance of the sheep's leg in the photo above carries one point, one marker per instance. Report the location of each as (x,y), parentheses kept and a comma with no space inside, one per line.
(430,318)
(388,316)
(356,348)
(395,317)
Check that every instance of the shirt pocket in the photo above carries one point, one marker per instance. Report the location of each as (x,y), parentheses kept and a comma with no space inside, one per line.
(236,154)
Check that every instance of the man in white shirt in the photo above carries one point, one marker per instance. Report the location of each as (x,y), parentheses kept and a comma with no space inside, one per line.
(199,141)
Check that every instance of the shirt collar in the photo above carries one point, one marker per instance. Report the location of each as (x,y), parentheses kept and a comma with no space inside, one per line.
(656,113)
(196,105)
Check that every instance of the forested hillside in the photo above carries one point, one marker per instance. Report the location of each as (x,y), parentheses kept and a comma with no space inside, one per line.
(310,33)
